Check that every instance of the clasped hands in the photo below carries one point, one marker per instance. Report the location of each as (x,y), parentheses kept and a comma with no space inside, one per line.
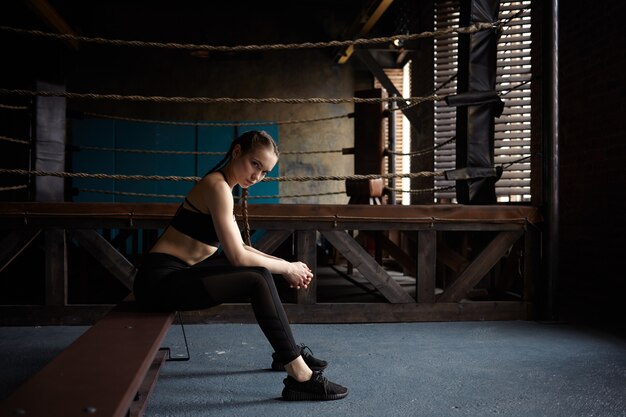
(299,275)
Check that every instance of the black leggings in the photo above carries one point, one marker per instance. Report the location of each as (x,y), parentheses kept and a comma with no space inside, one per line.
(165,282)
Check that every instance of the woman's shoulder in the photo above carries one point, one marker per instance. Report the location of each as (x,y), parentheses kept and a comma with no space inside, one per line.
(211,188)
(213,181)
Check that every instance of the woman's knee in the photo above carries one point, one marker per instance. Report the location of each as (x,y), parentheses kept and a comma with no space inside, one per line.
(262,275)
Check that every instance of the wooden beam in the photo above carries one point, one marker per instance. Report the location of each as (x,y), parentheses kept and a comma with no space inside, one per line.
(107,255)
(271,240)
(480,266)
(370,62)
(53,19)
(396,252)
(14,243)
(510,270)
(451,258)
(370,312)
(372,19)
(279,216)
(373,272)
(297,313)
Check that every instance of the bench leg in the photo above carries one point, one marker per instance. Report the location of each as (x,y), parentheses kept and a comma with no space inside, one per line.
(138,406)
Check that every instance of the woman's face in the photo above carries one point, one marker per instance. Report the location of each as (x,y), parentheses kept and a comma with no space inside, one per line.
(253,166)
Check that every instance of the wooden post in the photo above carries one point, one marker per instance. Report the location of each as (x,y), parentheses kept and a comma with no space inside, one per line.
(306,251)
(56,267)
(426,265)
(531,265)
(369,143)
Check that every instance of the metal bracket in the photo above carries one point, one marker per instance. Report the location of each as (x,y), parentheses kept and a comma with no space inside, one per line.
(168,350)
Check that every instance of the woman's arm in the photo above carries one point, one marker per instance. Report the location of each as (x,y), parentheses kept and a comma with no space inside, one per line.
(252,249)
(218,197)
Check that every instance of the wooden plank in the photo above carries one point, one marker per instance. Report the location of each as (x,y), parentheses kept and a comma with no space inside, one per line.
(373,272)
(107,255)
(275,216)
(14,243)
(306,251)
(426,266)
(480,266)
(271,240)
(100,373)
(428,214)
(56,267)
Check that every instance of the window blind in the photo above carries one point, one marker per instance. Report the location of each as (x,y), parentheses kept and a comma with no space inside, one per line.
(513,82)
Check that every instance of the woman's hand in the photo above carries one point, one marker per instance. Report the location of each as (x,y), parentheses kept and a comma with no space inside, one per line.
(299,275)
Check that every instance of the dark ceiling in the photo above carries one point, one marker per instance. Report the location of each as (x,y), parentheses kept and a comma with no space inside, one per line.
(233,22)
(215,22)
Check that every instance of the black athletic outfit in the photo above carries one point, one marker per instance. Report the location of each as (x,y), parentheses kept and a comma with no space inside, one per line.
(165,282)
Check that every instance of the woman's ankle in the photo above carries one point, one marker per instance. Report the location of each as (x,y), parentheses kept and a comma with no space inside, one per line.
(299,370)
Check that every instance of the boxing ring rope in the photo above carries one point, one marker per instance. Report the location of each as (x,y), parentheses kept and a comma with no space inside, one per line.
(166,152)
(423,174)
(194,179)
(476,27)
(134,194)
(14,140)
(10,107)
(215,100)
(13,187)
(215,124)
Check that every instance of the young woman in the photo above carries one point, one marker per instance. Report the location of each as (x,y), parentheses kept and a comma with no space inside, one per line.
(183,271)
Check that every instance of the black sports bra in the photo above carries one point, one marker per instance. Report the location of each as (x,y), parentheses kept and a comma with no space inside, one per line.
(195,224)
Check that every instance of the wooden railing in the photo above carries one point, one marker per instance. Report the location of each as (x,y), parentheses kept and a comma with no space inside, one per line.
(449,249)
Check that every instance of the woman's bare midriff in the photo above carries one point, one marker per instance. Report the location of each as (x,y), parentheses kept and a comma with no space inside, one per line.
(183,247)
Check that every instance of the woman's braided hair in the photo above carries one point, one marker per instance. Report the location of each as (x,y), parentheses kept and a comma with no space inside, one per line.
(247,141)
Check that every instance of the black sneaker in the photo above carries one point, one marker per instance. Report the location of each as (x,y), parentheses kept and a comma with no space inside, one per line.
(306,353)
(318,388)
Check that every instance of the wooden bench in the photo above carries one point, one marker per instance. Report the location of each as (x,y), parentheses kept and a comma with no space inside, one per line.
(109,370)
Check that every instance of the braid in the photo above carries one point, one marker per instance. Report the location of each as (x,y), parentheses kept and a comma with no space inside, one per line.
(220,164)
(244,215)
(247,141)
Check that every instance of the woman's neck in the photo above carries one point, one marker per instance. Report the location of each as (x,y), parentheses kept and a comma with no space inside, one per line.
(228,176)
